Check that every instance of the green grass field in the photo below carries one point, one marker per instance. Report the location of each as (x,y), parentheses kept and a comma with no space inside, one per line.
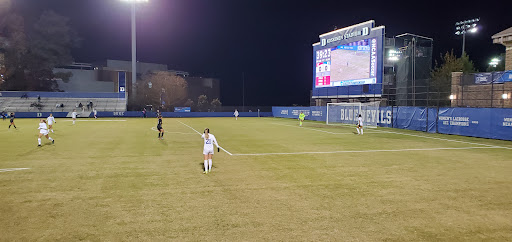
(114,180)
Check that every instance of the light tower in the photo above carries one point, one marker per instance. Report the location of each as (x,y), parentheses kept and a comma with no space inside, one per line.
(134,42)
(463,27)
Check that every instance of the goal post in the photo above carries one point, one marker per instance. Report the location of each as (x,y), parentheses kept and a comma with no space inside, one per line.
(347,113)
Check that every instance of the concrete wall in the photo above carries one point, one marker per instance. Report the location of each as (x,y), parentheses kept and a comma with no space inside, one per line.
(86,81)
(482,96)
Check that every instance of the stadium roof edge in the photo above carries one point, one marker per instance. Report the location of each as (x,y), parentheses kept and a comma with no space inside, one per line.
(317,43)
(343,29)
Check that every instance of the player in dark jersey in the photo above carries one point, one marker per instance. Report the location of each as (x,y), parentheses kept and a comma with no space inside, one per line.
(159,127)
(12,121)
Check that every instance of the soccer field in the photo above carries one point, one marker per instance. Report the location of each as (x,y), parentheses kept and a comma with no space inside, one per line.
(112,179)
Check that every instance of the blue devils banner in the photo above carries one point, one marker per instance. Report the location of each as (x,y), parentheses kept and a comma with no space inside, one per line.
(122,81)
(182,109)
(502,76)
(483,78)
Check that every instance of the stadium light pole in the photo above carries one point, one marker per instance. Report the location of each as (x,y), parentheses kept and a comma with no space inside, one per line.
(134,42)
(463,27)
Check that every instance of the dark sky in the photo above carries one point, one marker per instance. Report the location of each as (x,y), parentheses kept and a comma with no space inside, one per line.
(268,40)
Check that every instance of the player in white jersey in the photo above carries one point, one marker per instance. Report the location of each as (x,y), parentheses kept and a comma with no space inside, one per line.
(73,115)
(43,131)
(360,125)
(209,140)
(236,114)
(50,121)
(95,112)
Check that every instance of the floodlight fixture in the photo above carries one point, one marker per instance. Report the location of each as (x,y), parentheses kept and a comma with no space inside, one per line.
(463,27)
(494,62)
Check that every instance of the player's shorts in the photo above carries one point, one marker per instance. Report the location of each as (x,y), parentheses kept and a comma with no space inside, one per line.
(43,131)
(50,123)
(301,119)
(12,120)
(208,151)
(159,127)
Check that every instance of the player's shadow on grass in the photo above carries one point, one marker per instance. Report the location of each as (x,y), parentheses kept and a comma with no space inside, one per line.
(202,166)
(164,142)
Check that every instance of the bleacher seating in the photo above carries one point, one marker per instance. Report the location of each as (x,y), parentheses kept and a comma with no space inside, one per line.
(14,103)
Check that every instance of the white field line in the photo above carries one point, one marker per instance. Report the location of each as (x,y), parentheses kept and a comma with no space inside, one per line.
(13,169)
(311,129)
(154,129)
(421,136)
(102,120)
(364,151)
(201,134)
(450,140)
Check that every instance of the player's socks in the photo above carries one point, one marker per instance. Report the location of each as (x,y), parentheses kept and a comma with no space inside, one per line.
(50,138)
(358,131)
(162,134)
(209,165)
(39,141)
(159,135)
(9,126)
(362,131)
(73,121)
(206,166)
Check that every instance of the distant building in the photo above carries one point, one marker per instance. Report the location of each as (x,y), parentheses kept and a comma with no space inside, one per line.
(198,86)
(103,77)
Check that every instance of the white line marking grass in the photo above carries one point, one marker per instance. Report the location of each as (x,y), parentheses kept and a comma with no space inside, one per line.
(13,169)
(364,151)
(310,129)
(414,135)
(96,120)
(154,129)
(201,134)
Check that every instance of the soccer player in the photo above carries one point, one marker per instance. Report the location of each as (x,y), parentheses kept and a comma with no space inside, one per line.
(301,118)
(43,131)
(50,121)
(12,121)
(73,115)
(95,113)
(236,114)
(209,140)
(359,125)
(159,127)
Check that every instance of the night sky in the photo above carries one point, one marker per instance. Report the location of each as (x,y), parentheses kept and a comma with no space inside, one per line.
(267,40)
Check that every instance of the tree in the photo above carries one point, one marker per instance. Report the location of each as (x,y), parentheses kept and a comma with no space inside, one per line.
(189,103)
(165,92)
(202,103)
(215,104)
(442,74)
(30,59)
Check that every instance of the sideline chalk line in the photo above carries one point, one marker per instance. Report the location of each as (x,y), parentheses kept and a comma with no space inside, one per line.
(200,134)
(97,120)
(422,136)
(13,169)
(364,151)
(154,129)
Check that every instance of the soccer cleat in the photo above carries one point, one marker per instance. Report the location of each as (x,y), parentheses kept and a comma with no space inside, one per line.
(38,145)
(53,141)
(205,172)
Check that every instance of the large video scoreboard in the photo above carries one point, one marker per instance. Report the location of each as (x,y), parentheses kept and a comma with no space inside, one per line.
(349,62)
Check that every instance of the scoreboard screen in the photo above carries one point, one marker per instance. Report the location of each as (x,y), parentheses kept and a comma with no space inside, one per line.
(348,62)
(353,63)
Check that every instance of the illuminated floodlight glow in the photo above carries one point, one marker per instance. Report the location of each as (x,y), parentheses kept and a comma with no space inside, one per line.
(473,30)
(393,58)
(452,97)
(504,96)
(136,1)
